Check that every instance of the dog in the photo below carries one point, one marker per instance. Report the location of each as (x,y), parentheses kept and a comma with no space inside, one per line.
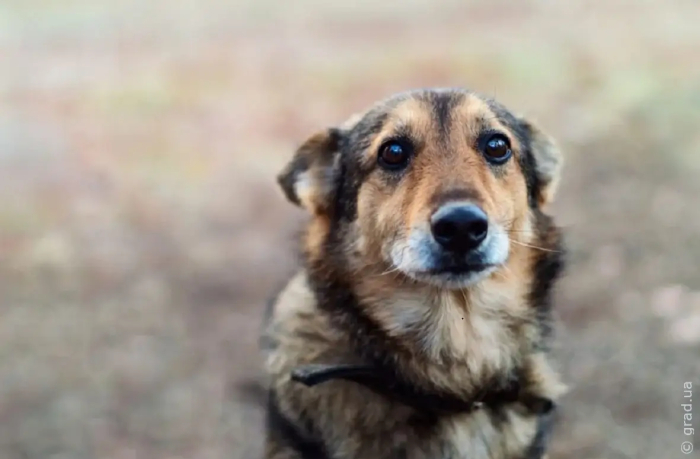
(420,324)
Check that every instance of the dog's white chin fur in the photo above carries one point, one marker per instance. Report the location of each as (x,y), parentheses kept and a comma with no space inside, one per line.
(413,257)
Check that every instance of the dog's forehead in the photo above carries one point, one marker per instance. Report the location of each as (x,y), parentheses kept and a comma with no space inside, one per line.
(428,113)
(438,105)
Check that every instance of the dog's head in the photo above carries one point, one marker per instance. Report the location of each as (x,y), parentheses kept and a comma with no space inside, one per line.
(433,185)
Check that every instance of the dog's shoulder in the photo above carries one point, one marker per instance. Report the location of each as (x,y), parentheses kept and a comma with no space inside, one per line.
(297,332)
(292,318)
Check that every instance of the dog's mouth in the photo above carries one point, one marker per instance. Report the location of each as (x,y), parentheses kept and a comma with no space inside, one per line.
(459,269)
(454,275)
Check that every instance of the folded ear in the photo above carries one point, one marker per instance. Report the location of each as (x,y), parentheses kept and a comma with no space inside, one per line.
(548,161)
(310,179)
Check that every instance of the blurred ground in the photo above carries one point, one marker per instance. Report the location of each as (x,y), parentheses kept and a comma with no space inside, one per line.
(141,230)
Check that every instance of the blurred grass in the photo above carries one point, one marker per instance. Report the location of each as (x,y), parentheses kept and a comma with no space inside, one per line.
(141,229)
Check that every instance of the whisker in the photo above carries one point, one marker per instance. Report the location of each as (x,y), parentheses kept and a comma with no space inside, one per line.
(390,271)
(503,272)
(533,246)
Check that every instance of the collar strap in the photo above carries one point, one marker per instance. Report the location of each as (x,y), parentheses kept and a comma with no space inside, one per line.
(392,387)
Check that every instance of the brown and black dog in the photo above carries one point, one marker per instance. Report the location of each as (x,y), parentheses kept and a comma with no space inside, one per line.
(419,326)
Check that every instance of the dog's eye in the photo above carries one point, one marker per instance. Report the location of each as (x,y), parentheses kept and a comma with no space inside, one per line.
(394,154)
(496,147)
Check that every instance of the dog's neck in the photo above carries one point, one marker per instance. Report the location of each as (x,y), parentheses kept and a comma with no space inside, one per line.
(395,365)
(427,337)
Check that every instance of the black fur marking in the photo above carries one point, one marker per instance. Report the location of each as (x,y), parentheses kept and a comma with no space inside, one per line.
(443,104)
(346,195)
(359,138)
(548,268)
(335,136)
(284,432)
(529,168)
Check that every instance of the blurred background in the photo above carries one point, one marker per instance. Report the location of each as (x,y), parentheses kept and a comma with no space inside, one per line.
(141,229)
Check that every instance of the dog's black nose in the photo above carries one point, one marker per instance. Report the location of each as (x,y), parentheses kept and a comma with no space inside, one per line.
(459,228)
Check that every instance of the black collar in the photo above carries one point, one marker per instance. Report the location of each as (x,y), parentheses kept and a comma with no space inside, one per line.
(423,401)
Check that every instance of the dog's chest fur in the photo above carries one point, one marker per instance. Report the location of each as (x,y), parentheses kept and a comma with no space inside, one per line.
(354,422)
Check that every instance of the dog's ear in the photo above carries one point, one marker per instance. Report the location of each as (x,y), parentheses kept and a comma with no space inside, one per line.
(548,161)
(310,179)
